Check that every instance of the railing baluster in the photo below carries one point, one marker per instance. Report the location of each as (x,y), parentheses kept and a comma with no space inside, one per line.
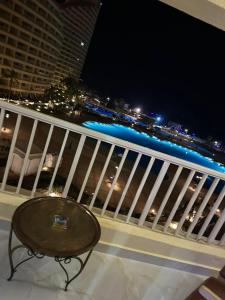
(42,160)
(127,185)
(222,241)
(217,227)
(211,214)
(12,147)
(179,199)
(102,176)
(114,182)
(153,192)
(58,162)
(25,160)
(191,203)
(168,193)
(89,170)
(139,190)
(178,178)
(74,166)
(2,118)
(202,206)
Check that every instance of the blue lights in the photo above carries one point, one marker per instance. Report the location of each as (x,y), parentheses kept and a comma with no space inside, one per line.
(152,142)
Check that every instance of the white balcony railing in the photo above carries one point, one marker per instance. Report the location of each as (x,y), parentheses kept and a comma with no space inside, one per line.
(115,178)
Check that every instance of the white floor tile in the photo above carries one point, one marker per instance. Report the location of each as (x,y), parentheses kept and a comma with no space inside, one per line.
(105,277)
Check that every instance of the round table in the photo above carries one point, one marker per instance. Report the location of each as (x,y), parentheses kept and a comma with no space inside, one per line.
(55,227)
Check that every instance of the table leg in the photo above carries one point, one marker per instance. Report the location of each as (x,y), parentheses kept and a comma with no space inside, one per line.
(32,254)
(11,250)
(67,260)
(12,270)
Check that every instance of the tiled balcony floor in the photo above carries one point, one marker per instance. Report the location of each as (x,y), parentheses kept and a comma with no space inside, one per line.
(105,277)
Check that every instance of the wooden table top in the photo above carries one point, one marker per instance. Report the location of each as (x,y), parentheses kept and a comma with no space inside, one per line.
(57,227)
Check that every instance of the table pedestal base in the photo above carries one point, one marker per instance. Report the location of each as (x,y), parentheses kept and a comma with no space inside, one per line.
(62,261)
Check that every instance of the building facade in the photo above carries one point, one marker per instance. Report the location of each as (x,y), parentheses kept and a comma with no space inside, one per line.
(42,41)
(78,25)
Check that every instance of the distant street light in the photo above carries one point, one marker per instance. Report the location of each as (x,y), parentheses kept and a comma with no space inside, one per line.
(186,130)
(137,110)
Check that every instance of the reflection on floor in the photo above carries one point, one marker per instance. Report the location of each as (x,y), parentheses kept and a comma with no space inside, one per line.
(105,277)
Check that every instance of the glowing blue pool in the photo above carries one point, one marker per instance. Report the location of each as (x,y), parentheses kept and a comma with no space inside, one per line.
(152,142)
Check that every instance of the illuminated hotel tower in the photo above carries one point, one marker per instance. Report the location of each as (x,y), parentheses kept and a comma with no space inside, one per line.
(42,41)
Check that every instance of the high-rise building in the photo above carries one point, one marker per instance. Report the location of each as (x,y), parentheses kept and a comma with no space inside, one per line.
(42,41)
(78,25)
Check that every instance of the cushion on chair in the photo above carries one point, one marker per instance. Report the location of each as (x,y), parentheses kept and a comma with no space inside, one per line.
(208,294)
(212,284)
(222,272)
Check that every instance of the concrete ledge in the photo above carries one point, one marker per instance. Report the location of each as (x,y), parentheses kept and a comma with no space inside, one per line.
(142,244)
(209,11)
(155,260)
(8,204)
(161,249)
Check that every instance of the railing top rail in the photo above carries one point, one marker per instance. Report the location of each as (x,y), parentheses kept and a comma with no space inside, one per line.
(107,138)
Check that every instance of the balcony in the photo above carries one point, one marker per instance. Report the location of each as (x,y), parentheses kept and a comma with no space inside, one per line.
(4,15)
(24,36)
(133,279)
(2,38)
(159,215)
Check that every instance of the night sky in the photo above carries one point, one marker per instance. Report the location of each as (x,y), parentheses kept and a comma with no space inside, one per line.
(162,60)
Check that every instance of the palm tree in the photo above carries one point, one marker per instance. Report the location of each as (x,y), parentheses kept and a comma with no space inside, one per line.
(72,87)
(119,104)
(73,93)
(12,76)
